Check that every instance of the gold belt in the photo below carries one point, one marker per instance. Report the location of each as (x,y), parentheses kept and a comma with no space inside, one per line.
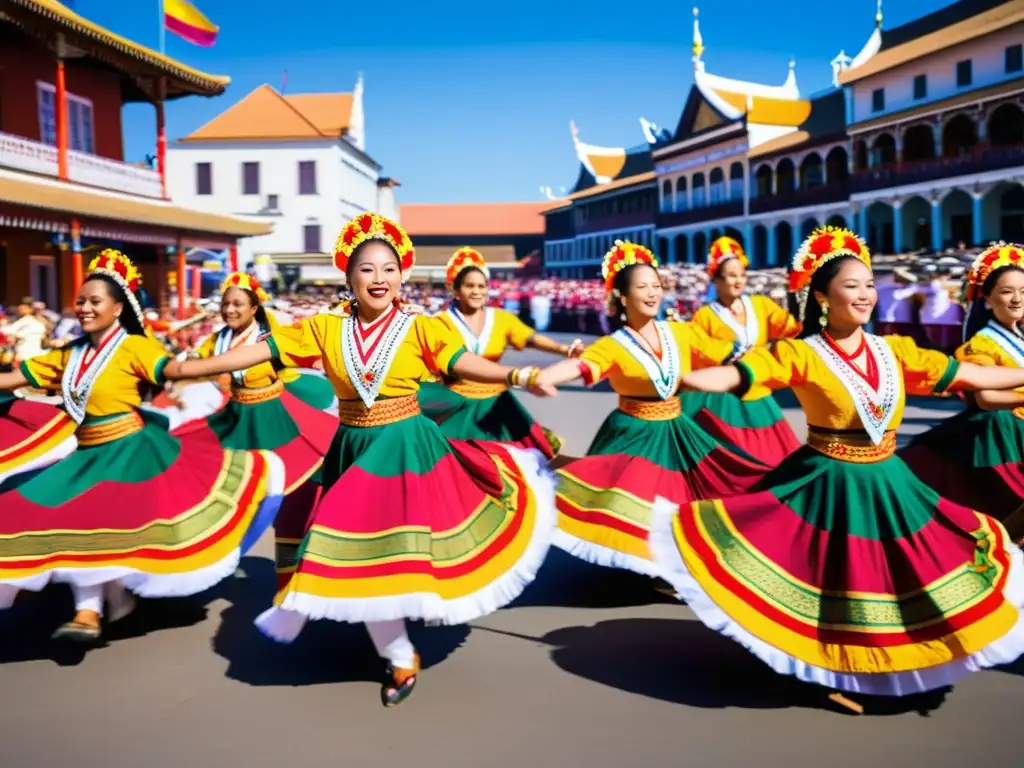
(853,447)
(353,413)
(244,396)
(1018,412)
(476,391)
(651,410)
(109,430)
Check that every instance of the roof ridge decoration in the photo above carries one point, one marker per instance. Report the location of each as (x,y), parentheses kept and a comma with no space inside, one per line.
(873,45)
(603,163)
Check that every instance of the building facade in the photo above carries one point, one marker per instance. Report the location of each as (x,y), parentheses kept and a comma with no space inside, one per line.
(65,190)
(918,145)
(296,162)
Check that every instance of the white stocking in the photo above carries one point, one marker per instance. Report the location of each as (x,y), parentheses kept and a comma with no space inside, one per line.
(88,598)
(392,642)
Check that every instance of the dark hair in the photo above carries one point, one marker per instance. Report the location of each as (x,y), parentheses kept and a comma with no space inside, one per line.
(820,282)
(721,266)
(130,321)
(620,285)
(261,313)
(463,274)
(978,316)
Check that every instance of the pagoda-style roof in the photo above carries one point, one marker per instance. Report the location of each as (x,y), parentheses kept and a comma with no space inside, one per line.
(47,19)
(601,166)
(779,105)
(826,122)
(956,23)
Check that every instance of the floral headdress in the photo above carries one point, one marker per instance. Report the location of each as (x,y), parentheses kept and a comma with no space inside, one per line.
(622,255)
(119,268)
(723,249)
(246,283)
(462,259)
(373,226)
(823,245)
(992,258)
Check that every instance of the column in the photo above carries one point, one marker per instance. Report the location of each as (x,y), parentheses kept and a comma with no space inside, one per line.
(773,256)
(181,280)
(161,137)
(61,105)
(748,243)
(671,248)
(897,228)
(233,258)
(76,255)
(936,224)
(863,225)
(978,219)
(161,277)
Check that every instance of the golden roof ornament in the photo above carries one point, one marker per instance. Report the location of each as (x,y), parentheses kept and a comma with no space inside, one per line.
(698,41)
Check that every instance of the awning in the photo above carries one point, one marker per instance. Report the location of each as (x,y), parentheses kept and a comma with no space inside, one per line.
(320,274)
(76,200)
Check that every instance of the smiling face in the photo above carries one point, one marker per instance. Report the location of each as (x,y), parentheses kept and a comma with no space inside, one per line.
(1006,299)
(237,309)
(851,295)
(375,278)
(642,298)
(471,290)
(731,281)
(95,308)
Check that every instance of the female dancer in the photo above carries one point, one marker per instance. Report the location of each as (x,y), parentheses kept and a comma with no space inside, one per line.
(841,567)
(647,447)
(164,515)
(466,410)
(410,524)
(755,424)
(976,458)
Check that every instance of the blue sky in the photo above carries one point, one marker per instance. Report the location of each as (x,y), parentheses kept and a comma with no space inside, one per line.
(467,104)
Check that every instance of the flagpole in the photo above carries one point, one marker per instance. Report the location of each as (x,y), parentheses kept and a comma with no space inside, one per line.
(163,26)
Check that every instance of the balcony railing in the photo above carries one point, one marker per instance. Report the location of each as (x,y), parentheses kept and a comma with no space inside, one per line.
(726,210)
(23,154)
(983,158)
(799,198)
(616,221)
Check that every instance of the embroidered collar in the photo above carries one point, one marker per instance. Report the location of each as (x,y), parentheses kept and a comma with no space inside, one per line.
(475,344)
(84,368)
(663,373)
(1011,343)
(369,350)
(746,334)
(226,340)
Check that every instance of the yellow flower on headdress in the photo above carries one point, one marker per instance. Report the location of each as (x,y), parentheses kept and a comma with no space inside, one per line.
(723,249)
(246,283)
(460,260)
(823,245)
(622,255)
(994,257)
(115,264)
(373,226)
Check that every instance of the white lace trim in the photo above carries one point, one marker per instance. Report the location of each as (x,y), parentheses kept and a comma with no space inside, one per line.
(663,373)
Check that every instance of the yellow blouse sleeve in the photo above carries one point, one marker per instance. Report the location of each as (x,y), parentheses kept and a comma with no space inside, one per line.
(782,364)
(149,358)
(706,351)
(46,370)
(208,347)
(597,360)
(518,333)
(299,346)
(779,323)
(703,319)
(925,371)
(977,352)
(440,345)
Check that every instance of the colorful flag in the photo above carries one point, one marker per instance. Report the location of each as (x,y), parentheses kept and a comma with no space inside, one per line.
(184,19)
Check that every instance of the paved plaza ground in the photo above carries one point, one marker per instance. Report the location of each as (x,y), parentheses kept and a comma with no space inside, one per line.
(591,667)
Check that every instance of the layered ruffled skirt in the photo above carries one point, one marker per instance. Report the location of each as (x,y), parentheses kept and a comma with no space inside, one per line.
(642,451)
(855,576)
(975,458)
(32,436)
(411,525)
(165,514)
(758,428)
(467,411)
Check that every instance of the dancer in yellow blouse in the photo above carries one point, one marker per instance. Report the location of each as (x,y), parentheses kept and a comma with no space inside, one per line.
(163,515)
(841,567)
(466,410)
(755,423)
(411,525)
(647,447)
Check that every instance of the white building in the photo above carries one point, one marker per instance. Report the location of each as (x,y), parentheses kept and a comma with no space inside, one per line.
(298,162)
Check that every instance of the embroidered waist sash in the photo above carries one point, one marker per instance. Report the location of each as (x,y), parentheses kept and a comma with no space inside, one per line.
(476,391)
(852,447)
(651,410)
(353,413)
(244,396)
(108,430)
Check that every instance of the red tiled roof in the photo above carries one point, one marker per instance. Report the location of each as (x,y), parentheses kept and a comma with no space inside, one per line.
(473,218)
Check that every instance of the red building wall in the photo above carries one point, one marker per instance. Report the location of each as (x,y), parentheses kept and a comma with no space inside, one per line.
(24,61)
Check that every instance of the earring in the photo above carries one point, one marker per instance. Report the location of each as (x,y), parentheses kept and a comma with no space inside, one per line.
(823,320)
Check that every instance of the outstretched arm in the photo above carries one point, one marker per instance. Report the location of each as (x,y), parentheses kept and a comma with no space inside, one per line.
(547,344)
(12,381)
(560,373)
(972,377)
(998,400)
(719,378)
(237,359)
(477,368)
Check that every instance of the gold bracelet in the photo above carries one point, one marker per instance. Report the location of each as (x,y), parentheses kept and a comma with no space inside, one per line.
(531,382)
(513,377)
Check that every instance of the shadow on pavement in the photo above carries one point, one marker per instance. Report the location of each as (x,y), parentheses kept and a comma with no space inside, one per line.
(325,652)
(683,662)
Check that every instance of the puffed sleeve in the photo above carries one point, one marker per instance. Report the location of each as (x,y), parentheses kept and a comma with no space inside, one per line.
(976,351)
(149,358)
(440,345)
(517,333)
(46,371)
(704,318)
(302,345)
(706,351)
(597,360)
(782,364)
(925,371)
(779,322)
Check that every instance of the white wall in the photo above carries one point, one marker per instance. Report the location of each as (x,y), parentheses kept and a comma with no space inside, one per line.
(987,54)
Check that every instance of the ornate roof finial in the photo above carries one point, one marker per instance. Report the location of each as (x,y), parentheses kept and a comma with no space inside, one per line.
(698,41)
(878,14)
